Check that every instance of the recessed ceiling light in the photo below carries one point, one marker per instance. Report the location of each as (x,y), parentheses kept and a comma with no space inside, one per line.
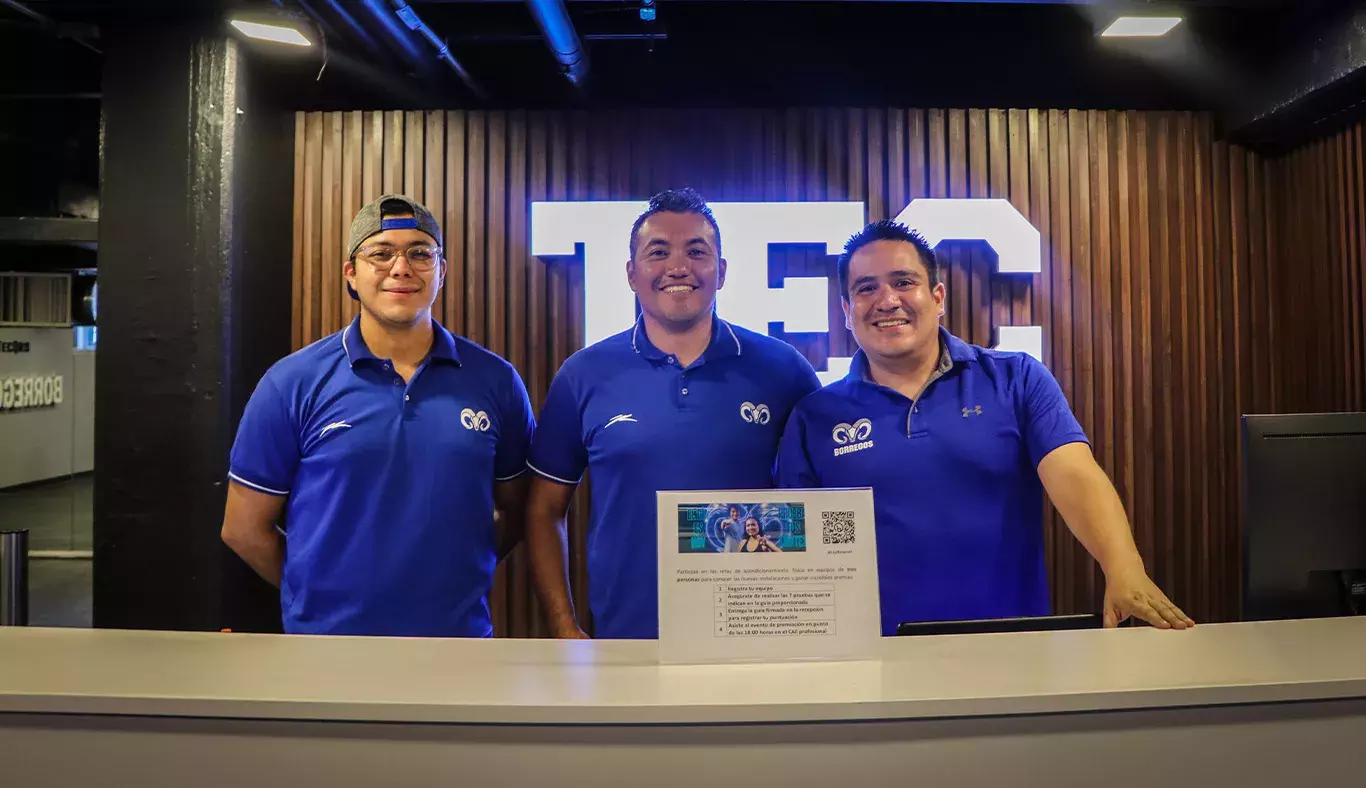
(276,33)
(1141,26)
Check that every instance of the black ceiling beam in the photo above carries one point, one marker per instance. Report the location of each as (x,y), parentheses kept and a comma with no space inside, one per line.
(49,230)
(48,24)
(1317,82)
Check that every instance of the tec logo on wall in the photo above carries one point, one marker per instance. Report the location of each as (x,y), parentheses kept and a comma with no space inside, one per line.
(798,303)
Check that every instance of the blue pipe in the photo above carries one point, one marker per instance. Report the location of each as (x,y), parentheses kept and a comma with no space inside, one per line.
(393,30)
(355,28)
(560,37)
(414,23)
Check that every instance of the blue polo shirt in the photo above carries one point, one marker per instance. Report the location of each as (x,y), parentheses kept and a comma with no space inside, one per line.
(389,523)
(956,494)
(640,422)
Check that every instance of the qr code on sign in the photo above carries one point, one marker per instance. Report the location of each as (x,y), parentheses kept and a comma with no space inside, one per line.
(837,527)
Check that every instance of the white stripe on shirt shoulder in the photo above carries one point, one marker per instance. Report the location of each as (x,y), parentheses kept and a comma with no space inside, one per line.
(552,476)
(509,478)
(255,486)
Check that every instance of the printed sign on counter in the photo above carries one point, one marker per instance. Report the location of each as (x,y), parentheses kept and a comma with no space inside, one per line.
(767,575)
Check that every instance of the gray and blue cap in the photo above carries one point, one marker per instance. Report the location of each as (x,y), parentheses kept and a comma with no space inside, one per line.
(379,215)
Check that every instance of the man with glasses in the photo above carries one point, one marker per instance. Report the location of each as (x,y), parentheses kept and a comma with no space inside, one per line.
(386,449)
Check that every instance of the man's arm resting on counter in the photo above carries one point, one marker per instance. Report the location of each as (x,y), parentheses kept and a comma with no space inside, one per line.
(1088,503)
(548,543)
(249,521)
(509,512)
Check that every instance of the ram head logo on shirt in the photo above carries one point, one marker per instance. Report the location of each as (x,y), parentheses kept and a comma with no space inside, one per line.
(755,414)
(473,420)
(852,433)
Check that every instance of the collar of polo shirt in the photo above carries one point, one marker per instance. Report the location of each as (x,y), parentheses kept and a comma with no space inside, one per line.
(443,345)
(951,349)
(723,342)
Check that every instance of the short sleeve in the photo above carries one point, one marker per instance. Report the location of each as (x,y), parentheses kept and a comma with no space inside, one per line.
(799,381)
(265,453)
(805,380)
(515,429)
(1047,418)
(792,467)
(557,450)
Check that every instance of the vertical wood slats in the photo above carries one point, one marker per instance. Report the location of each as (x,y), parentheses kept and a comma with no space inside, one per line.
(1186,281)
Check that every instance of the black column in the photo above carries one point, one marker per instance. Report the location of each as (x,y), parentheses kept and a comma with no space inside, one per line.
(194,268)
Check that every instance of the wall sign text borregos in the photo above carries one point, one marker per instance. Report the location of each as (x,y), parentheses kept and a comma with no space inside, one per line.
(30,391)
(747,229)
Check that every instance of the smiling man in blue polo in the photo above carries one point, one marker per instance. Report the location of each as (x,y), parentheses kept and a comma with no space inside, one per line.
(682,400)
(959,444)
(385,449)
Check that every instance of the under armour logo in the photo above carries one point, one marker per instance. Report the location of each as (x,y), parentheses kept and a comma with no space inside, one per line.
(977,411)
(755,414)
(617,419)
(852,433)
(472,420)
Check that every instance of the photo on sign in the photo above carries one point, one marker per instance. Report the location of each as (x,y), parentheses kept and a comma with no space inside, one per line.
(728,527)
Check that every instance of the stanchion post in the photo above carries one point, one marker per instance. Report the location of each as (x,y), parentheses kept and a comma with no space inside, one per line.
(14,578)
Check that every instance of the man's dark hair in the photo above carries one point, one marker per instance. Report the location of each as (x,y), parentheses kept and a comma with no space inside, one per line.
(885,230)
(685,200)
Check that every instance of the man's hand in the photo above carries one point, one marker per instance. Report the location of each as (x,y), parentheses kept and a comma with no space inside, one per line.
(1132,593)
(548,546)
(249,519)
(1091,508)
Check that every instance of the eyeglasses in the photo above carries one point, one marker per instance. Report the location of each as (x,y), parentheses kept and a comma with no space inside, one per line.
(382,258)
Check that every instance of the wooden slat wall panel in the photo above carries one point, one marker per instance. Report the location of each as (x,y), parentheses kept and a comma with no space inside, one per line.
(297,331)
(353,145)
(454,223)
(310,322)
(1059,272)
(1186,281)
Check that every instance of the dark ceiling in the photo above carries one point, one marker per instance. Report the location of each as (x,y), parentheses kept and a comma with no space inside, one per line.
(1227,56)
(759,52)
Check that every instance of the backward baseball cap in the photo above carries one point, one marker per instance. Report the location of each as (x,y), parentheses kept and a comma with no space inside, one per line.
(370,220)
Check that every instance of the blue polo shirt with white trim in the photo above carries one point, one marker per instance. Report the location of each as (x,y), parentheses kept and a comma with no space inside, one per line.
(956,493)
(640,422)
(389,523)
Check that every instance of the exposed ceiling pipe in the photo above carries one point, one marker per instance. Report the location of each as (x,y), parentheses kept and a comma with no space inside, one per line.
(390,30)
(410,18)
(351,27)
(47,22)
(561,37)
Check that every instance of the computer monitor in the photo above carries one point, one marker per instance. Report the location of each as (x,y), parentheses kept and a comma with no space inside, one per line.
(979,626)
(1304,515)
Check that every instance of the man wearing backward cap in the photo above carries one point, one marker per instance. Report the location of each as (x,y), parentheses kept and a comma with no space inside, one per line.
(368,466)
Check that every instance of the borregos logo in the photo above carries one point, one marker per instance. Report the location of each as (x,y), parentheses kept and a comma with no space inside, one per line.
(850,438)
(475,420)
(755,414)
(798,303)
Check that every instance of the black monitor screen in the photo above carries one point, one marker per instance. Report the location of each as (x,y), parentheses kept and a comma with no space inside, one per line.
(1304,526)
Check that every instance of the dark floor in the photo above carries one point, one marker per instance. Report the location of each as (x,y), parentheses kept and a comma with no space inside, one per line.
(57,514)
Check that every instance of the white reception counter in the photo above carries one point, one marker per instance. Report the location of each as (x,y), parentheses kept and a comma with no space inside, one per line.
(1272,703)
